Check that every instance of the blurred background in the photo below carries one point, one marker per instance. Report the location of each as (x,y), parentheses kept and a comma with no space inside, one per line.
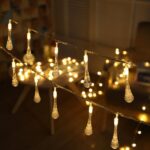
(97,25)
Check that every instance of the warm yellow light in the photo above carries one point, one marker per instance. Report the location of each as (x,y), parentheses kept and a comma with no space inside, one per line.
(70,79)
(70,73)
(126,70)
(87,103)
(28,35)
(75,75)
(99,73)
(9,25)
(116,120)
(90,95)
(143,108)
(125,148)
(139,132)
(90,90)
(117,51)
(82,81)
(143,117)
(107,61)
(100,84)
(92,84)
(51,64)
(116,64)
(50,60)
(124,52)
(77,64)
(68,68)
(56,49)
(94,95)
(147,64)
(90,108)
(100,92)
(133,145)
(85,57)
(55,93)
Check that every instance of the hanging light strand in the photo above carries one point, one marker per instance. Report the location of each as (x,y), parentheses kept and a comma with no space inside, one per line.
(115,142)
(87,80)
(56,69)
(55,113)
(29,57)
(9,44)
(37,97)
(88,129)
(14,75)
(128,93)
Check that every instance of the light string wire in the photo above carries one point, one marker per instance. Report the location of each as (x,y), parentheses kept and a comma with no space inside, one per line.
(51,36)
(70,91)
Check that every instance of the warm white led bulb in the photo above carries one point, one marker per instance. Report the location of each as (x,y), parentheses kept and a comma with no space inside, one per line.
(55,93)
(56,49)
(9,25)
(85,57)
(90,109)
(28,35)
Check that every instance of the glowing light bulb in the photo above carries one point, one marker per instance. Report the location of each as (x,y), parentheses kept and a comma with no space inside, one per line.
(107,61)
(143,108)
(128,93)
(117,51)
(37,97)
(14,75)
(124,52)
(139,132)
(56,69)
(55,113)
(29,57)
(99,73)
(133,145)
(115,142)
(87,80)
(88,129)
(9,44)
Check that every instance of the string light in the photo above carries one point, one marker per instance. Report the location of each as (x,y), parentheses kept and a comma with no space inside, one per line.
(37,97)
(143,108)
(128,93)
(9,44)
(56,70)
(88,129)
(29,57)
(133,145)
(55,113)
(87,80)
(117,51)
(14,75)
(115,142)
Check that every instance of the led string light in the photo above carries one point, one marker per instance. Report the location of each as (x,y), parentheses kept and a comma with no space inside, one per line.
(87,80)
(14,75)
(9,44)
(128,93)
(68,90)
(115,142)
(29,57)
(91,103)
(88,129)
(55,113)
(56,69)
(37,98)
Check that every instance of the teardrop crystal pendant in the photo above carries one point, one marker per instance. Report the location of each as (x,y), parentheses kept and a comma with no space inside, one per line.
(128,93)
(14,75)
(55,113)
(88,129)
(29,57)
(115,142)
(87,80)
(37,97)
(9,44)
(56,69)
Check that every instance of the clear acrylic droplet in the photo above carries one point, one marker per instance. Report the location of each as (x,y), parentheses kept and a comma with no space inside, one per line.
(55,113)
(88,129)
(37,98)
(29,58)
(9,44)
(128,94)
